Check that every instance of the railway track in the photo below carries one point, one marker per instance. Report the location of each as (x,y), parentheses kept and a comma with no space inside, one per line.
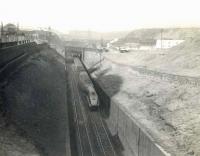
(102,135)
(83,139)
(194,81)
(91,131)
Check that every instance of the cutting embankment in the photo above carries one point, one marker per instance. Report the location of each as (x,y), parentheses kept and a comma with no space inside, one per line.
(33,104)
(153,99)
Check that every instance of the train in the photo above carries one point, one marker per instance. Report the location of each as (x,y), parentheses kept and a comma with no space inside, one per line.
(85,84)
(87,87)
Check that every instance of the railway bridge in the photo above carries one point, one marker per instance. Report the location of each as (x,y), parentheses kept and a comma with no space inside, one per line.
(79,51)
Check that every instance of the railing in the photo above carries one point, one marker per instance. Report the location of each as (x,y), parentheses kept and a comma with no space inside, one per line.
(9,44)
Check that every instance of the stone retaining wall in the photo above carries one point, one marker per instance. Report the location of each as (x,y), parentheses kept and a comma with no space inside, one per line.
(131,135)
(120,122)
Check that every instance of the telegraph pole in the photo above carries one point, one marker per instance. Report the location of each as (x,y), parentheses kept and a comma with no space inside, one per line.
(49,36)
(17,32)
(101,49)
(1,31)
(161,38)
(89,38)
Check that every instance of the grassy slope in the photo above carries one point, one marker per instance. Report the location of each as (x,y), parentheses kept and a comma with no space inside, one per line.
(35,96)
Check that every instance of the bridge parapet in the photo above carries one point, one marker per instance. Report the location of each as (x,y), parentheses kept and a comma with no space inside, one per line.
(79,51)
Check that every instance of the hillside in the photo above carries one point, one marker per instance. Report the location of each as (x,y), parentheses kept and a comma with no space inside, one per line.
(35,119)
(72,35)
(155,33)
(181,60)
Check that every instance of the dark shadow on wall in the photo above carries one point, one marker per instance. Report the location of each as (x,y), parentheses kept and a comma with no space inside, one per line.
(109,86)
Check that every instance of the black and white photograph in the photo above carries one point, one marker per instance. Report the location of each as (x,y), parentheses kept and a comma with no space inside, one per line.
(99,78)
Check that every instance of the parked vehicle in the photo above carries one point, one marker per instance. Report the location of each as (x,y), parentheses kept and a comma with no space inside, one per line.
(123,50)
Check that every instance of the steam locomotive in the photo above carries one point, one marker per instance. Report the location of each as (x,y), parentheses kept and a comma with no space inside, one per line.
(86,85)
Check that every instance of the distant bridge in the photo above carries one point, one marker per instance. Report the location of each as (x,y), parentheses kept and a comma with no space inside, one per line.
(79,51)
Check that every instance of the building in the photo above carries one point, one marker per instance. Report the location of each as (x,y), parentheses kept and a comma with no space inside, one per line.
(9,33)
(145,44)
(167,43)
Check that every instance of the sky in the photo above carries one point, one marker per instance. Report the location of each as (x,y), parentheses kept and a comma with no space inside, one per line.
(101,15)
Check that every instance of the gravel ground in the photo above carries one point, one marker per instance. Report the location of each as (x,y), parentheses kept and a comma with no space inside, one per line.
(180,62)
(167,110)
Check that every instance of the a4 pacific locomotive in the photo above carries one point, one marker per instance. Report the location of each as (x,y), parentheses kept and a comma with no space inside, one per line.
(86,85)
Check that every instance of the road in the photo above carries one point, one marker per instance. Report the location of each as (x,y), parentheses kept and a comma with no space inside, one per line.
(90,132)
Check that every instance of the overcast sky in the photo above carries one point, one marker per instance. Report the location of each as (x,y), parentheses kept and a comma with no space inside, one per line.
(101,15)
